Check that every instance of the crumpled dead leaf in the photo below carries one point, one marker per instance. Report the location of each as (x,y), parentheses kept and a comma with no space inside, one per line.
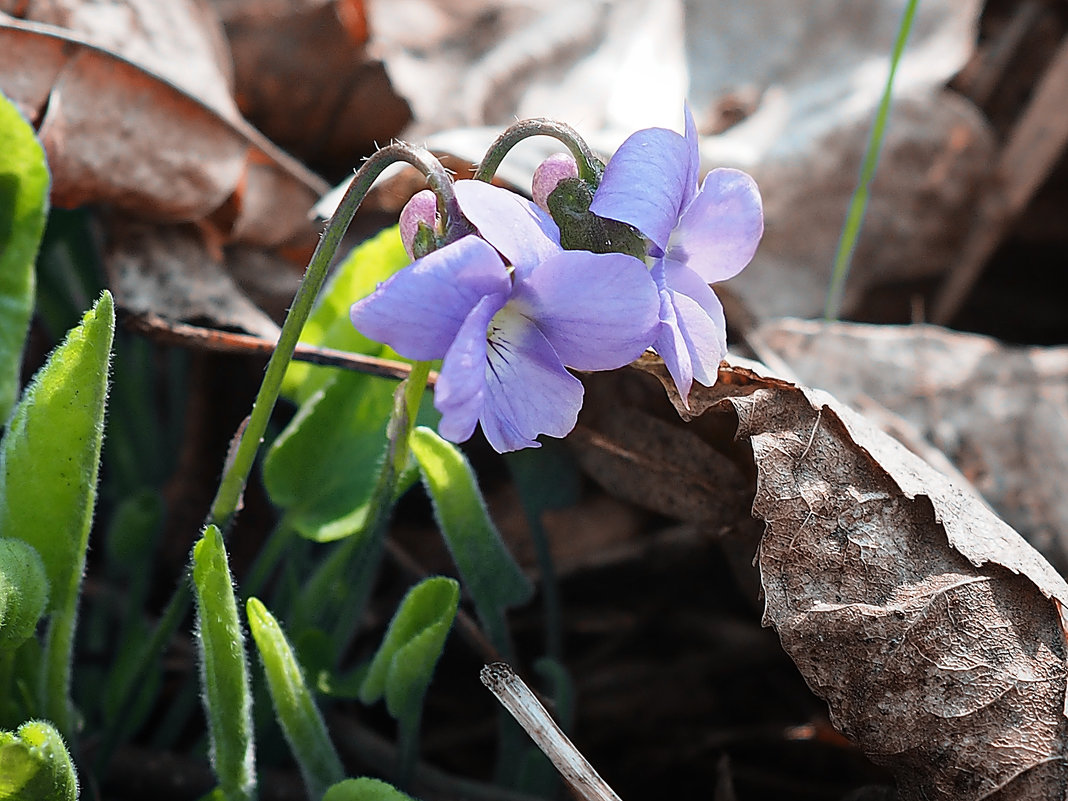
(1000,413)
(118,133)
(306,78)
(935,633)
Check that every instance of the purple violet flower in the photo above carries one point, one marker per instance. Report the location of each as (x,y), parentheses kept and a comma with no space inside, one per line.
(507,313)
(697,236)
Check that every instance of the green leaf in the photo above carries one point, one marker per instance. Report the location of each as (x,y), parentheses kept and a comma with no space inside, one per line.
(489,573)
(35,765)
(23,591)
(223,669)
(322,468)
(51,451)
(24,185)
(364,789)
(49,459)
(293,703)
(404,663)
(329,326)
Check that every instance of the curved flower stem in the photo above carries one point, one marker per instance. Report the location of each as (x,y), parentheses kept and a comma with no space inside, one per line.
(590,167)
(239,466)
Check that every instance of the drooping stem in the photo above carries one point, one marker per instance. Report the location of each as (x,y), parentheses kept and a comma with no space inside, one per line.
(239,466)
(589,166)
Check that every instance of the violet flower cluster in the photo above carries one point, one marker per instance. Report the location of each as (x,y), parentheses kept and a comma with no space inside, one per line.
(510,312)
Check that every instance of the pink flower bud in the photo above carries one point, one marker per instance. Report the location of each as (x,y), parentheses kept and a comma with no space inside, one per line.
(422,208)
(549,174)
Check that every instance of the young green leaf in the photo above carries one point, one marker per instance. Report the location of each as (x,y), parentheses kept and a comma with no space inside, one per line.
(365,789)
(49,458)
(23,591)
(23,208)
(404,664)
(328,326)
(488,571)
(35,765)
(223,670)
(322,468)
(294,706)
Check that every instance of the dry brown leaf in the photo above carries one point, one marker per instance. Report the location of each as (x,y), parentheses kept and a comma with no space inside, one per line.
(153,267)
(118,134)
(935,633)
(305,78)
(1000,413)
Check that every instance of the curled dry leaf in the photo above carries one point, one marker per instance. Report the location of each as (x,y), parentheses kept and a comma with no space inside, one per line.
(934,632)
(306,78)
(116,133)
(997,411)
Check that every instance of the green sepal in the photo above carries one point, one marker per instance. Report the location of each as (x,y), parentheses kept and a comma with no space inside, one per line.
(489,572)
(24,183)
(425,240)
(223,669)
(23,592)
(294,706)
(365,789)
(581,229)
(35,765)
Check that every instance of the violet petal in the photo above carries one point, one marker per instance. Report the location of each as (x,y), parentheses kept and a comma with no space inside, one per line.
(719,232)
(524,234)
(645,182)
(418,311)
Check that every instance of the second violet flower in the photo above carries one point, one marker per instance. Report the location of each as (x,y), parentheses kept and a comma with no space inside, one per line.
(507,312)
(697,236)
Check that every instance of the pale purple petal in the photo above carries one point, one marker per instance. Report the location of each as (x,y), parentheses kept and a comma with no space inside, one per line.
(522,232)
(418,311)
(548,176)
(529,392)
(719,233)
(460,392)
(598,311)
(672,347)
(693,160)
(645,183)
(422,208)
(699,321)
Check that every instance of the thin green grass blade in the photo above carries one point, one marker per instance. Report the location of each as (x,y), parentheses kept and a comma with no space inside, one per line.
(858,205)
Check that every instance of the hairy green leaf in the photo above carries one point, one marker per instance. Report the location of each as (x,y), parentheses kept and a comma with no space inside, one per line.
(23,591)
(404,663)
(35,765)
(23,208)
(488,571)
(223,669)
(294,706)
(364,789)
(49,459)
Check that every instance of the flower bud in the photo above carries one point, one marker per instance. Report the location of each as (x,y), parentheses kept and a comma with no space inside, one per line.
(421,212)
(549,174)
